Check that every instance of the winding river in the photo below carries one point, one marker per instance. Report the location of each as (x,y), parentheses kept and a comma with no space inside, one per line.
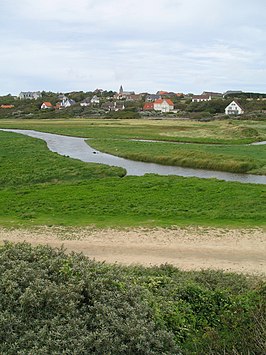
(77,148)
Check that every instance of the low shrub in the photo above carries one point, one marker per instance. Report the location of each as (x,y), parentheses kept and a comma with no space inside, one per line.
(53,303)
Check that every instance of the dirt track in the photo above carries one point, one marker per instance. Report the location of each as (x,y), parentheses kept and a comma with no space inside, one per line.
(241,250)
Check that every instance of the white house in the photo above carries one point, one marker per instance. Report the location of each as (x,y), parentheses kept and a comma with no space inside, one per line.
(85,102)
(95,100)
(46,105)
(67,103)
(234,109)
(201,98)
(113,106)
(163,105)
(30,95)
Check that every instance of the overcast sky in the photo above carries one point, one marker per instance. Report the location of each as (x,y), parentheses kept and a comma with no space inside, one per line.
(145,45)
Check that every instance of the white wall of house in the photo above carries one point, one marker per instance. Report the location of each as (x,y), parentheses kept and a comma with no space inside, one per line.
(84,104)
(201,99)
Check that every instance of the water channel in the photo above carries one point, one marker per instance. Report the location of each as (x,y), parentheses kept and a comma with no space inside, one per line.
(77,148)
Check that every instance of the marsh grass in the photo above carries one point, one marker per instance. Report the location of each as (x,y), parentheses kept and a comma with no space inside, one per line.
(238,159)
(223,132)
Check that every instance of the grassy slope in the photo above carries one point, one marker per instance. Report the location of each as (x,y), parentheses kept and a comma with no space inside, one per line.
(44,188)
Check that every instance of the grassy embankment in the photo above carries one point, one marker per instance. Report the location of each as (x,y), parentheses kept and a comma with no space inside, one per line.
(230,155)
(40,187)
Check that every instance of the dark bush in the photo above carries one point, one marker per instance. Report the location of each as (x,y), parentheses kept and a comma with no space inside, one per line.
(51,303)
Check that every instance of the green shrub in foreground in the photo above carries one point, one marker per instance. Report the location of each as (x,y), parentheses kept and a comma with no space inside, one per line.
(54,304)
(51,303)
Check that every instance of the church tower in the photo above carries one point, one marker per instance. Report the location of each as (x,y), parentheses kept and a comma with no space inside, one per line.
(121,90)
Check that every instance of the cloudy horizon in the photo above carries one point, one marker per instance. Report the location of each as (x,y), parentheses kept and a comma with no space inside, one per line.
(172,45)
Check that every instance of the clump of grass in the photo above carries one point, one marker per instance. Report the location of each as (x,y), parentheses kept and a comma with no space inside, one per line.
(245,132)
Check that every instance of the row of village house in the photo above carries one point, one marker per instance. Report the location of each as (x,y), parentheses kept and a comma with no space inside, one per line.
(162,105)
(156,102)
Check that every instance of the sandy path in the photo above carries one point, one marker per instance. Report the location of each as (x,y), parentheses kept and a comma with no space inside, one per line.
(240,250)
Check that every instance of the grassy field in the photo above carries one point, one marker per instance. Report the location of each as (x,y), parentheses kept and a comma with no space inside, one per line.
(225,132)
(40,187)
(217,145)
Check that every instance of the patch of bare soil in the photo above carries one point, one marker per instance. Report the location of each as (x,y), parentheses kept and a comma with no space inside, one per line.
(193,248)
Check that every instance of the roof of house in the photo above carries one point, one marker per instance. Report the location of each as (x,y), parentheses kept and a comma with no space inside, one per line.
(211,93)
(87,100)
(148,106)
(162,92)
(228,92)
(236,102)
(153,96)
(201,97)
(48,104)
(71,101)
(160,101)
(108,104)
(30,92)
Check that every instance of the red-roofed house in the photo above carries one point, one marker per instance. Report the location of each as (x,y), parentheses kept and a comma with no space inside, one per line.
(163,105)
(7,106)
(162,92)
(148,106)
(46,105)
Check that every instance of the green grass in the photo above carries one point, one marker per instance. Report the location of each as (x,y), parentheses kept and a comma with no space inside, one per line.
(40,187)
(231,158)
(136,201)
(27,161)
(223,132)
